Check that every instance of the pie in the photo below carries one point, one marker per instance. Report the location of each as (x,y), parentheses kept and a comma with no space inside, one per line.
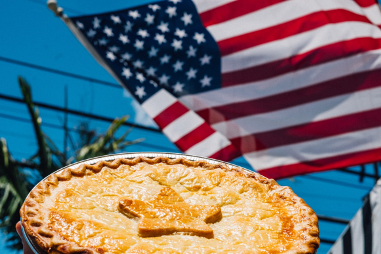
(163,205)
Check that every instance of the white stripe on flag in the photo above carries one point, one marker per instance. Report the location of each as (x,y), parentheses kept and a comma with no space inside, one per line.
(298,44)
(375,203)
(357,233)
(158,102)
(311,150)
(370,60)
(203,5)
(338,247)
(310,112)
(373,14)
(182,125)
(210,145)
(285,11)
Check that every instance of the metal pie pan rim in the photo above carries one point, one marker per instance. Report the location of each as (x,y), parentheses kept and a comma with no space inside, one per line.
(37,250)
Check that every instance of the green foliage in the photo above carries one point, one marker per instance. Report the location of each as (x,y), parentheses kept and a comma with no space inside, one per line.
(14,185)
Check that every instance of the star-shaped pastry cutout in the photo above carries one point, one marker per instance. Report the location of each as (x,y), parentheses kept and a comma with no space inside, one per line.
(167,213)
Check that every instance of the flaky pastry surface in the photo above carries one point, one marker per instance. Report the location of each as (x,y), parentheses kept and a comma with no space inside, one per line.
(185,206)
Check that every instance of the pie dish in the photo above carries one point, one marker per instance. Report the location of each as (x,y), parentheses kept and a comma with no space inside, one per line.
(163,205)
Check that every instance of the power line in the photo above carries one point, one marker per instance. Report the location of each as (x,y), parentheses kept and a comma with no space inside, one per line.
(76,112)
(75,130)
(316,178)
(63,73)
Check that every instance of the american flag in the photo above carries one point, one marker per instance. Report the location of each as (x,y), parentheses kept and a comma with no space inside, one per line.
(363,234)
(293,86)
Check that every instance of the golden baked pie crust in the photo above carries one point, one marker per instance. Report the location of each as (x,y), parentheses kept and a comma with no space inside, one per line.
(258,215)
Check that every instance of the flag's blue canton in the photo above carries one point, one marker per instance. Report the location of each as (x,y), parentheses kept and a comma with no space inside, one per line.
(158,45)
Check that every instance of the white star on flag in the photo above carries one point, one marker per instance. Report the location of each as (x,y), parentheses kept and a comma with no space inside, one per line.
(108,31)
(123,38)
(140,91)
(165,59)
(127,56)
(199,38)
(178,87)
(191,52)
(205,59)
(91,33)
(126,72)
(134,14)
(116,19)
(138,64)
(143,33)
(153,52)
(171,11)
(110,55)
(163,27)
(128,26)
(160,38)
(103,41)
(139,45)
(79,25)
(178,66)
(180,33)
(164,79)
(113,49)
(149,19)
(140,77)
(191,73)
(151,71)
(96,23)
(187,18)
(205,81)
(154,7)
(175,1)
(177,45)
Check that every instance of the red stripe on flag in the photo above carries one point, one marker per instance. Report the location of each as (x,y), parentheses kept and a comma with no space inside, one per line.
(233,10)
(317,56)
(365,3)
(310,131)
(226,154)
(341,161)
(296,26)
(348,84)
(170,114)
(194,137)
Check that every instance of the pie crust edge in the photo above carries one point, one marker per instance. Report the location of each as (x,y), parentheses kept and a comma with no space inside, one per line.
(32,212)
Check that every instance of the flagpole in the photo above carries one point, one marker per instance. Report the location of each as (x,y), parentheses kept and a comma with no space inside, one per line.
(58,11)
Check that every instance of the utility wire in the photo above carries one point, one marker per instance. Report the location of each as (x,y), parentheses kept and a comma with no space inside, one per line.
(75,130)
(63,73)
(76,112)
(316,178)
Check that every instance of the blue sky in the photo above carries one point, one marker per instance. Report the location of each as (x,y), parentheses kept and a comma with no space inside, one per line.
(32,34)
